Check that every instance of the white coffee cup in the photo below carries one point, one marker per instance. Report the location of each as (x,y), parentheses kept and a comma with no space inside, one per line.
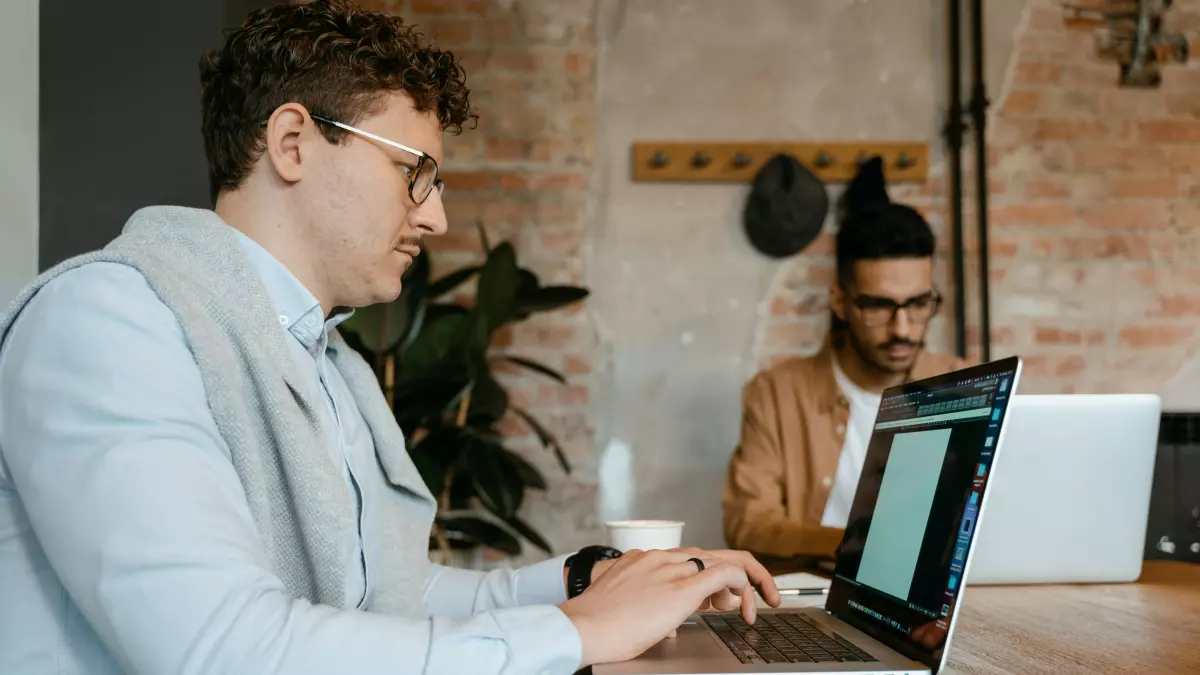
(645,535)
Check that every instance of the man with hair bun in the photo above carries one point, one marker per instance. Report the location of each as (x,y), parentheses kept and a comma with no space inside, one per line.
(806,422)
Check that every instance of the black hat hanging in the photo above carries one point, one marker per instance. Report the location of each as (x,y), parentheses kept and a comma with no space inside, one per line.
(786,207)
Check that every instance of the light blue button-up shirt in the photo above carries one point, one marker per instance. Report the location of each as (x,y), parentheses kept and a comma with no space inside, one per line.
(126,544)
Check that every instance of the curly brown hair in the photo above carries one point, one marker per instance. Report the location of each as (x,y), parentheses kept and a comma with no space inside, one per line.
(330,56)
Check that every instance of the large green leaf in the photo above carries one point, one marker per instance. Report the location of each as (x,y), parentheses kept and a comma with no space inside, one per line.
(416,321)
(379,327)
(527,284)
(476,342)
(436,452)
(451,281)
(437,311)
(527,281)
(526,530)
(548,298)
(489,401)
(497,293)
(485,433)
(435,314)
(547,439)
(431,472)
(428,397)
(482,532)
(528,472)
(436,388)
(462,489)
(497,480)
(535,366)
(441,337)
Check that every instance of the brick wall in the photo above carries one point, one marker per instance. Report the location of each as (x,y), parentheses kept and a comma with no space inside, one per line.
(524,174)
(1096,230)
(1095,220)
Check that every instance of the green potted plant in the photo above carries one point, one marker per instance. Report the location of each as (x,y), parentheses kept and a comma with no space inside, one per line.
(434,360)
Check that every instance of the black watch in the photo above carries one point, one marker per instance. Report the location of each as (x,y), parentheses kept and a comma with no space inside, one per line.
(579,567)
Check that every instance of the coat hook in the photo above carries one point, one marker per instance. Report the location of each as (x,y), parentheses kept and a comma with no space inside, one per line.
(861,159)
(741,160)
(658,160)
(700,160)
(905,162)
(823,160)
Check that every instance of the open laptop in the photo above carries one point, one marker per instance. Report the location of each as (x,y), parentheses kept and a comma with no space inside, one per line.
(1071,501)
(898,580)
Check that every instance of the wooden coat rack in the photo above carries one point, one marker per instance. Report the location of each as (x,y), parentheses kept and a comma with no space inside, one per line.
(724,162)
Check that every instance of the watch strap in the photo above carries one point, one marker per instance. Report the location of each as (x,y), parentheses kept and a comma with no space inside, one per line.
(580,565)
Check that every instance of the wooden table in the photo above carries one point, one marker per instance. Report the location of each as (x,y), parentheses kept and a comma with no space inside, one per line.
(1152,626)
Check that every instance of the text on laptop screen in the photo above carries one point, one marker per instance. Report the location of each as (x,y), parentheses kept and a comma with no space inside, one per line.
(900,565)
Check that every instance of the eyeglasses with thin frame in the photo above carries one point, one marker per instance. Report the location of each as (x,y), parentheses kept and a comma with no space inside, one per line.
(422,178)
(876,311)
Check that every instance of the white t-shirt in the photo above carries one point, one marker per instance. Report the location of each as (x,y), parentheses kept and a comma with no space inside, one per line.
(864,405)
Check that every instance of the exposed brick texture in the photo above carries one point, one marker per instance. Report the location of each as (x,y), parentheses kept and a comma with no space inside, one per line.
(524,173)
(1095,220)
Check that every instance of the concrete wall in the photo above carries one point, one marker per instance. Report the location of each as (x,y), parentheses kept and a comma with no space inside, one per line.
(19,140)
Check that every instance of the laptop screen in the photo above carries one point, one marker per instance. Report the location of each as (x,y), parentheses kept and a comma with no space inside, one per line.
(900,566)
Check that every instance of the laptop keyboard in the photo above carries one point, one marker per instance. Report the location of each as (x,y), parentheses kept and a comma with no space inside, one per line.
(783,637)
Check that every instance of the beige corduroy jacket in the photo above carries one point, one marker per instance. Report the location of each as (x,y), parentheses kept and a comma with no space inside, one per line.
(793,426)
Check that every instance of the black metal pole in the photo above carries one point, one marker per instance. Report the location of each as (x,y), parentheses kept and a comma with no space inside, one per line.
(954,142)
(979,106)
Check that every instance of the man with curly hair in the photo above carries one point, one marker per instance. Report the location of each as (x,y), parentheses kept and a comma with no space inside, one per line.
(198,476)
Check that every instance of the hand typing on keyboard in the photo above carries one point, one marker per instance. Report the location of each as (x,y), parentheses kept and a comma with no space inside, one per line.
(641,597)
(724,600)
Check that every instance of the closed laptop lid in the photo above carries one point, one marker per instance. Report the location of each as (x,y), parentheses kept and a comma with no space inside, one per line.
(1071,501)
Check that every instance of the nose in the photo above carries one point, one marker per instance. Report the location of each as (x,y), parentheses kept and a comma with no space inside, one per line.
(430,217)
(900,325)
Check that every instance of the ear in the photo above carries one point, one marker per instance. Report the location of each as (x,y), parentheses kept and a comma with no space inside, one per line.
(289,132)
(837,300)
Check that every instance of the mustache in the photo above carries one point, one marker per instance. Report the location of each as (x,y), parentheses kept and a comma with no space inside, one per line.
(408,240)
(902,342)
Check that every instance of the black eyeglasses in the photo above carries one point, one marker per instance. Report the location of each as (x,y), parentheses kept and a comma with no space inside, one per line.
(877,311)
(422,175)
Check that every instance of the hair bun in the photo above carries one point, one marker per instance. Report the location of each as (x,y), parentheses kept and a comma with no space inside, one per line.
(866,191)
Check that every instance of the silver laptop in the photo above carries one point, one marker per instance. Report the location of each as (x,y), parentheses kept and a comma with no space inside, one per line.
(898,580)
(1071,501)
